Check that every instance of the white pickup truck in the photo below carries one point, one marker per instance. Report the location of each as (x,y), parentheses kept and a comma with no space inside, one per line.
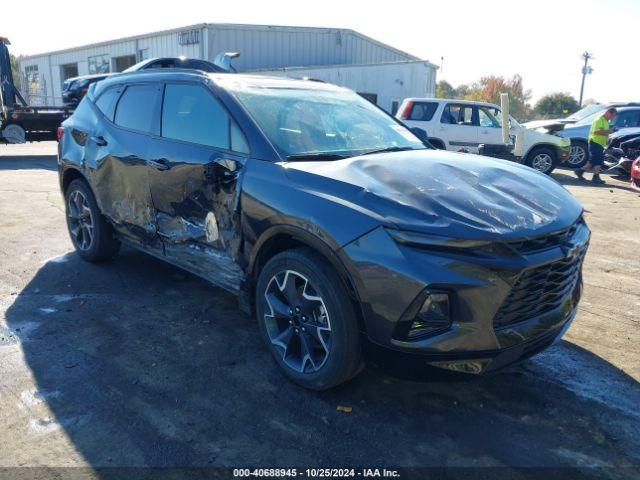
(460,124)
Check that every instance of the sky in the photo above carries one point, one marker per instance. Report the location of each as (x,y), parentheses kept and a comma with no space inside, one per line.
(541,40)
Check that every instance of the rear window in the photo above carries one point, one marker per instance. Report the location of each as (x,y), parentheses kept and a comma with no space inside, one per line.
(136,107)
(423,111)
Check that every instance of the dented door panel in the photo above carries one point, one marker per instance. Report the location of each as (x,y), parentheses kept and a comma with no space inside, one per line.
(196,200)
(119,167)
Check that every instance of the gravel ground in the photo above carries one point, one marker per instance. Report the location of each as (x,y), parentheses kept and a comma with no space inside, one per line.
(134,363)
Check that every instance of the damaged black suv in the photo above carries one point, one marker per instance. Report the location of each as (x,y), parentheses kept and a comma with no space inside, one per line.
(330,220)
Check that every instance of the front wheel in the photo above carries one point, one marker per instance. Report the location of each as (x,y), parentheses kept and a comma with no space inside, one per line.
(91,235)
(578,155)
(542,159)
(307,320)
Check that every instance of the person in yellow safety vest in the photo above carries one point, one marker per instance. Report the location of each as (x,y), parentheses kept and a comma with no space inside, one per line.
(598,134)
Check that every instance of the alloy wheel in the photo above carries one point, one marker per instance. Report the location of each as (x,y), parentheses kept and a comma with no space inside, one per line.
(80,220)
(542,162)
(297,322)
(577,155)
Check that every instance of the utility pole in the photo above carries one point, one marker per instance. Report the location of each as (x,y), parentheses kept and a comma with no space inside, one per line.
(586,70)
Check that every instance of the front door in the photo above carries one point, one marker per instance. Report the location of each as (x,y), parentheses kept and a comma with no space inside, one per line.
(116,154)
(195,177)
(458,127)
(490,121)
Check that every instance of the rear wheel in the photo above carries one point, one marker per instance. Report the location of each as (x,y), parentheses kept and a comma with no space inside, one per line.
(307,320)
(542,159)
(578,155)
(91,235)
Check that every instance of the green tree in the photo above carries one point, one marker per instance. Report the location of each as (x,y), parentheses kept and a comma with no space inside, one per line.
(488,89)
(554,105)
(15,68)
(445,90)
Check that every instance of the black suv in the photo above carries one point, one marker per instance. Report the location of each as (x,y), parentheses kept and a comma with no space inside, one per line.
(74,89)
(329,219)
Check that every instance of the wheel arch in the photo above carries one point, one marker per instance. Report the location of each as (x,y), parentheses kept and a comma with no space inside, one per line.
(539,146)
(280,238)
(69,175)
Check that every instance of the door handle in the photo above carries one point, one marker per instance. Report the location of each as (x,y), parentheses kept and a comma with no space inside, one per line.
(160,164)
(98,140)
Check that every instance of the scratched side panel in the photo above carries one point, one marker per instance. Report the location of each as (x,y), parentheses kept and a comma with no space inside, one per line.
(120,174)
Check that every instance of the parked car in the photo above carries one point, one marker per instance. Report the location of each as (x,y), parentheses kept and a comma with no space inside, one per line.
(75,88)
(328,219)
(555,124)
(456,124)
(175,62)
(578,133)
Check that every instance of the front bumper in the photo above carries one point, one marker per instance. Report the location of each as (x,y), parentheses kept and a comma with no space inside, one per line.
(389,277)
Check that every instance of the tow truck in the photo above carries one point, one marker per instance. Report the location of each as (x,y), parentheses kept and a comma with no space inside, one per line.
(19,121)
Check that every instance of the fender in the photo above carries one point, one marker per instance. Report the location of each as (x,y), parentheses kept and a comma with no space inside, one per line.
(301,236)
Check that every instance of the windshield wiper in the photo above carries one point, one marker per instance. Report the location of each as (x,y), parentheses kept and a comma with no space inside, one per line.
(389,149)
(301,157)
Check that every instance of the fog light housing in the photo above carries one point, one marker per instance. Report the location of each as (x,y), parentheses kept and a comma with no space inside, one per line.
(434,316)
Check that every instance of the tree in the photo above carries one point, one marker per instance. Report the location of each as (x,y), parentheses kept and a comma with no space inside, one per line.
(557,104)
(488,89)
(15,68)
(445,90)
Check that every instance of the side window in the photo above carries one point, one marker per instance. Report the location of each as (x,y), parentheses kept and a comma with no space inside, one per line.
(191,114)
(458,115)
(628,118)
(136,107)
(106,102)
(488,117)
(423,111)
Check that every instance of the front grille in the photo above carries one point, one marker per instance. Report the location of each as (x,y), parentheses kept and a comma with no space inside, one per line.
(540,290)
(548,241)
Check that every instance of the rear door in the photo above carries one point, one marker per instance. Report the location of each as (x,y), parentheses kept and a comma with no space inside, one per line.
(458,127)
(195,180)
(117,152)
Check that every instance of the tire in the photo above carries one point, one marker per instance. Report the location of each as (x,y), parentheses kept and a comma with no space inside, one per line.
(542,159)
(14,133)
(91,234)
(579,154)
(332,354)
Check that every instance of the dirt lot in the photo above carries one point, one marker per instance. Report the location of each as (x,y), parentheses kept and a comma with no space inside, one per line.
(135,363)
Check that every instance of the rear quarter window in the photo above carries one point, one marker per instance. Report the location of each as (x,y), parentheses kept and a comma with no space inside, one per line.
(423,111)
(136,107)
(106,102)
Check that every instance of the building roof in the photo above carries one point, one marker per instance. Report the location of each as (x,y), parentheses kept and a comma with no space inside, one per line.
(230,26)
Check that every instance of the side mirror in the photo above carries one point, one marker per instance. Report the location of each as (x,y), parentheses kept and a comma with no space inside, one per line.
(422,136)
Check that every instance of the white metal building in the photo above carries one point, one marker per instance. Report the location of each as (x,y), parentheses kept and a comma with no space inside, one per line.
(380,72)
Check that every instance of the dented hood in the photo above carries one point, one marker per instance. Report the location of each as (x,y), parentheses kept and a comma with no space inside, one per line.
(444,193)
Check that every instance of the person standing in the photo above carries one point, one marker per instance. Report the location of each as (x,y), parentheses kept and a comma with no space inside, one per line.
(598,134)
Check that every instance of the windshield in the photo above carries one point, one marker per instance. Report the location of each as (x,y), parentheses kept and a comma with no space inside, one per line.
(585,112)
(315,122)
(590,118)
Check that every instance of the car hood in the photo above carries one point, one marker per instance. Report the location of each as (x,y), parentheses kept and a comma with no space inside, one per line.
(443,193)
(575,131)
